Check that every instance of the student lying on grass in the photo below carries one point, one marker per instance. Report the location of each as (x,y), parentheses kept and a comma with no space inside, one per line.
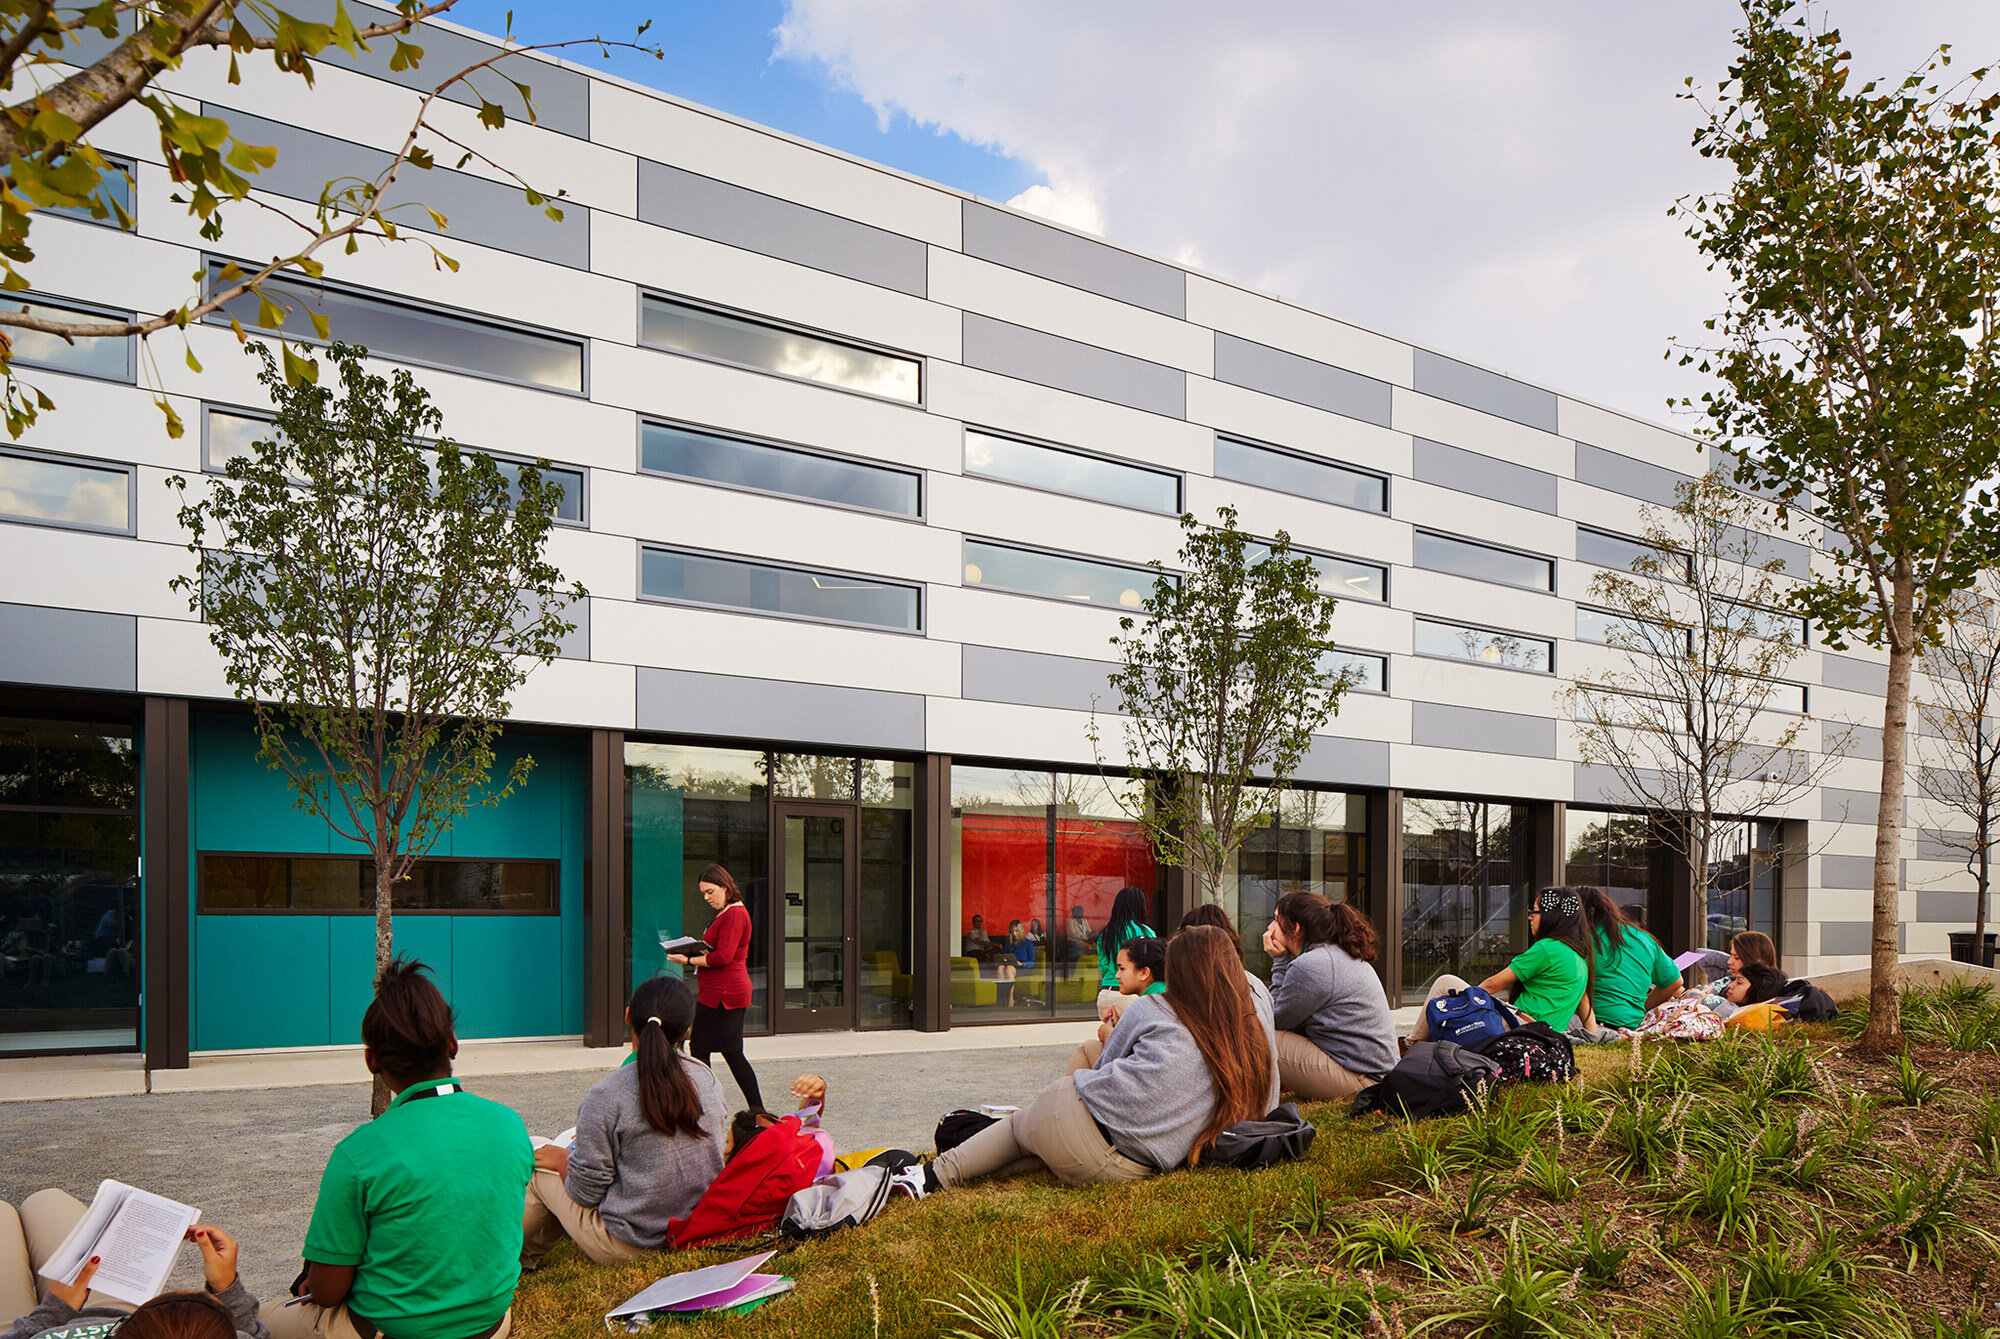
(1179,1069)
(648,1143)
(223,1311)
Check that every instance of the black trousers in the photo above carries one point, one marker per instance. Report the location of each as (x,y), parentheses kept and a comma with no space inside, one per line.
(722,1030)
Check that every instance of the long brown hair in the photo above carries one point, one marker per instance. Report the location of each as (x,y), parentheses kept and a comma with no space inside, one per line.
(1755,946)
(1322,922)
(1211,997)
(1210,914)
(720,877)
(661,1011)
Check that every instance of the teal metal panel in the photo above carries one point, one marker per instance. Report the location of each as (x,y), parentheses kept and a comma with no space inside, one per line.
(260,981)
(575,891)
(240,804)
(528,823)
(507,974)
(351,963)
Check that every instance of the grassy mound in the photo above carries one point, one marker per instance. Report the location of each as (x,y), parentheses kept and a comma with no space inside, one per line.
(1748,1187)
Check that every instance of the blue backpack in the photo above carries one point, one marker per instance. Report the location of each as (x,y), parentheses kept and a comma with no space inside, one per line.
(1468,1017)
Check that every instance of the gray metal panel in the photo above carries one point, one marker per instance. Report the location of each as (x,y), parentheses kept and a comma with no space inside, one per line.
(1622,474)
(1862,741)
(1960,907)
(1598,784)
(1489,392)
(1441,726)
(1022,244)
(1334,760)
(562,97)
(1931,846)
(1854,676)
(1483,476)
(993,674)
(1763,548)
(1083,369)
(1847,871)
(576,646)
(763,223)
(68,648)
(1289,376)
(1845,937)
(1848,806)
(779,711)
(478,210)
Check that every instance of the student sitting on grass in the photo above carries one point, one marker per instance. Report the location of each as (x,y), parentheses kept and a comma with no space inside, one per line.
(223,1311)
(1128,921)
(417,1231)
(1178,1070)
(648,1143)
(1552,975)
(1335,1036)
(1142,970)
(1633,972)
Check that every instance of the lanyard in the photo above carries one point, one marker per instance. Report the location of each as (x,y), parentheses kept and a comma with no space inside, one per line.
(448,1086)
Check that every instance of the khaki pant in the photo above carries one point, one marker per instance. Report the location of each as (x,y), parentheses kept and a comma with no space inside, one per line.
(1085,1056)
(27,1239)
(551,1215)
(306,1321)
(1444,985)
(1056,1131)
(1308,1071)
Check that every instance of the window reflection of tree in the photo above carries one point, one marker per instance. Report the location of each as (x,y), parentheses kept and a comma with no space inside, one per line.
(1460,898)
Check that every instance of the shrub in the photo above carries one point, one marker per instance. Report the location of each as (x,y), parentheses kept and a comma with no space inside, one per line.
(1809,1293)
(1595,1251)
(1723,1190)
(1236,1298)
(1474,1210)
(1912,1087)
(1917,1210)
(1373,1243)
(1516,1301)
(1543,1173)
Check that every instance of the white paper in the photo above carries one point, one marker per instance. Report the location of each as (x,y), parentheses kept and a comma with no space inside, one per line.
(685,944)
(663,1293)
(137,1236)
(565,1140)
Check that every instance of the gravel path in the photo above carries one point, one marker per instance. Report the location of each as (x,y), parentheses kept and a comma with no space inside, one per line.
(251,1160)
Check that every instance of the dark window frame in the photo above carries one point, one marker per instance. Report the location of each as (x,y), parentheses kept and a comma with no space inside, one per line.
(1147,572)
(213,262)
(202,908)
(1381,567)
(208,466)
(1549,642)
(1179,477)
(921,476)
(1421,532)
(1238,439)
(128,469)
(676,602)
(921,363)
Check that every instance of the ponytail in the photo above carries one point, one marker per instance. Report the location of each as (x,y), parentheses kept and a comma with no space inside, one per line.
(1604,917)
(661,1011)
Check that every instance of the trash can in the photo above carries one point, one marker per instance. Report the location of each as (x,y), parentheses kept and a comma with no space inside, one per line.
(1962,949)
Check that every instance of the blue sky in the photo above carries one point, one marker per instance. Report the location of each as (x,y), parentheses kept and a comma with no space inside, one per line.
(719,53)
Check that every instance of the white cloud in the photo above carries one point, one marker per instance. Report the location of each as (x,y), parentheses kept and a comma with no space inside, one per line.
(1487,180)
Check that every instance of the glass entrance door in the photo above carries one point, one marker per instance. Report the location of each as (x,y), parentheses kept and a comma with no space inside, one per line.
(815,891)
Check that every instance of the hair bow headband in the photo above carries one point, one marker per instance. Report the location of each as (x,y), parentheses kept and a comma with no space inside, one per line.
(1561,901)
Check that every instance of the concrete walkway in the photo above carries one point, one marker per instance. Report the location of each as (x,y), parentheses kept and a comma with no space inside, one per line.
(250,1157)
(39,1078)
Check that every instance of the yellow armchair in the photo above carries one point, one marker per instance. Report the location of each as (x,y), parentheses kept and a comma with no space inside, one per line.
(968,988)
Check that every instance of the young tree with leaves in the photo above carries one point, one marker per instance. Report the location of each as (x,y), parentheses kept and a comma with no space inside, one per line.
(1225,677)
(376,595)
(57,94)
(1860,240)
(1958,763)
(1687,711)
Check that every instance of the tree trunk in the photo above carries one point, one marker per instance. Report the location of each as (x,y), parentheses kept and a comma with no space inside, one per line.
(385,953)
(1985,839)
(1885,1023)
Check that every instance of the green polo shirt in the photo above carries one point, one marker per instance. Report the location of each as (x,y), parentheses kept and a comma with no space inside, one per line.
(1553,977)
(1157,988)
(425,1202)
(1627,977)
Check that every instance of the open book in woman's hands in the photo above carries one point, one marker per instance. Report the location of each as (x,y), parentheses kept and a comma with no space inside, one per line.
(136,1236)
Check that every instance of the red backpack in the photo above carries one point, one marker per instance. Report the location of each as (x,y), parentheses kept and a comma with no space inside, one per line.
(754,1187)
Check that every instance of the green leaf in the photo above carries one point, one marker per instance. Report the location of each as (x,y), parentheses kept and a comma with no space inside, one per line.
(299,369)
(492,115)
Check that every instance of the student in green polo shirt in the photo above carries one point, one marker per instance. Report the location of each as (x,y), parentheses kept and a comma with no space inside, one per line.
(1549,981)
(417,1232)
(1633,972)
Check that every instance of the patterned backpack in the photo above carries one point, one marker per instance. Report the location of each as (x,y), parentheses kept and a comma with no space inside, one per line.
(1534,1052)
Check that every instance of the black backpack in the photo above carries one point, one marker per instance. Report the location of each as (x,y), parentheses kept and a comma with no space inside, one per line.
(1533,1053)
(1807,1003)
(1282,1136)
(959,1126)
(1432,1079)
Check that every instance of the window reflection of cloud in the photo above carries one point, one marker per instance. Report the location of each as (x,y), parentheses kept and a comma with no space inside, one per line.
(44,491)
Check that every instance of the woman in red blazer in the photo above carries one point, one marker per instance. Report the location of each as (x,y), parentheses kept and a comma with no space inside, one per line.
(722,980)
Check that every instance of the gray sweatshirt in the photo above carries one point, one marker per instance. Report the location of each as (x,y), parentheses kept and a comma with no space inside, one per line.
(57,1319)
(1150,1088)
(636,1177)
(1338,1005)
